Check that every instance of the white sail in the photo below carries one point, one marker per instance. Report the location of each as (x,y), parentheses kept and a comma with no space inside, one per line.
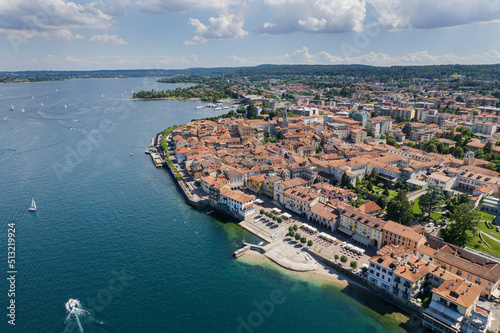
(33,205)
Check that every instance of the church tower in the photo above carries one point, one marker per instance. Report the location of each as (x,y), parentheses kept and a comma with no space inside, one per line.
(285,119)
(469,158)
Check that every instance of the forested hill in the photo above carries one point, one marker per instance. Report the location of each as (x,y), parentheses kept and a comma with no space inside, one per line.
(478,72)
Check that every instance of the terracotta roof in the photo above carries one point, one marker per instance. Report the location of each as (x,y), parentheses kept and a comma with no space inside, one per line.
(403,231)
(484,268)
(369,207)
(461,292)
(236,196)
(414,270)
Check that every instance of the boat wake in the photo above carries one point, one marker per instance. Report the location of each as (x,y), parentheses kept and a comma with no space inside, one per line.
(78,317)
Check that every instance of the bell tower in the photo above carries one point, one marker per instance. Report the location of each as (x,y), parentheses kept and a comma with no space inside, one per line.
(469,158)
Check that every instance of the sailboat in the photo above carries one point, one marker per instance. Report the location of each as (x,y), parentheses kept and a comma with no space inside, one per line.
(22,110)
(33,206)
(65,106)
(11,107)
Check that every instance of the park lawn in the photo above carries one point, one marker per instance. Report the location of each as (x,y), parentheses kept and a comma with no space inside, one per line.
(474,244)
(378,191)
(416,208)
(487,217)
(482,226)
(435,216)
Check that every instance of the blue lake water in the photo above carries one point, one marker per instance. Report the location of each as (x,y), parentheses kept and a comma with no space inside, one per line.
(114,232)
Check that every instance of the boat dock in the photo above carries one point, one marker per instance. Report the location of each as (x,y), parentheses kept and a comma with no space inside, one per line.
(238,253)
(155,156)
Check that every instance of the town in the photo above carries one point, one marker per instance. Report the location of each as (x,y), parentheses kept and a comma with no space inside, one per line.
(401,182)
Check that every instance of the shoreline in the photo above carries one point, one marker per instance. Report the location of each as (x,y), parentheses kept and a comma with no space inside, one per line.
(162,98)
(323,275)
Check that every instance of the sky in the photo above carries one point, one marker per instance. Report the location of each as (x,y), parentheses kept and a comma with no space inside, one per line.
(176,34)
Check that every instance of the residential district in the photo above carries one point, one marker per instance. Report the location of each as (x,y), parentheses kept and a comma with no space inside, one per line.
(407,195)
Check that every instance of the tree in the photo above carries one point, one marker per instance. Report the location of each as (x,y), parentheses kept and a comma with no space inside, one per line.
(488,147)
(336,257)
(345,180)
(431,199)
(297,236)
(386,192)
(309,243)
(399,209)
(291,233)
(466,218)
(251,112)
(407,129)
(262,212)
(381,201)
(303,240)
(431,148)
(343,259)
(459,153)
(456,201)
(295,227)
(319,149)
(373,175)
(369,187)
(279,219)
(390,141)
(354,264)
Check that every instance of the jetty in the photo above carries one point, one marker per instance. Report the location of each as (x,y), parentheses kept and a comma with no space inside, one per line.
(155,156)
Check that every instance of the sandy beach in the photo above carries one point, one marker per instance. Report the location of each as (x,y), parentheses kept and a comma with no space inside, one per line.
(322,275)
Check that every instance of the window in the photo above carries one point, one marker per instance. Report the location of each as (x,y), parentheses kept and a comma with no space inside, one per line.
(384,270)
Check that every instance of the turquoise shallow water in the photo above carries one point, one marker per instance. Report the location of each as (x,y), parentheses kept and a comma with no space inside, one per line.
(112,231)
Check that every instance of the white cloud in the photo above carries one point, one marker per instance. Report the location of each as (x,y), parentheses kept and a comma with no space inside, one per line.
(107,38)
(304,56)
(51,19)
(226,26)
(320,16)
(428,14)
